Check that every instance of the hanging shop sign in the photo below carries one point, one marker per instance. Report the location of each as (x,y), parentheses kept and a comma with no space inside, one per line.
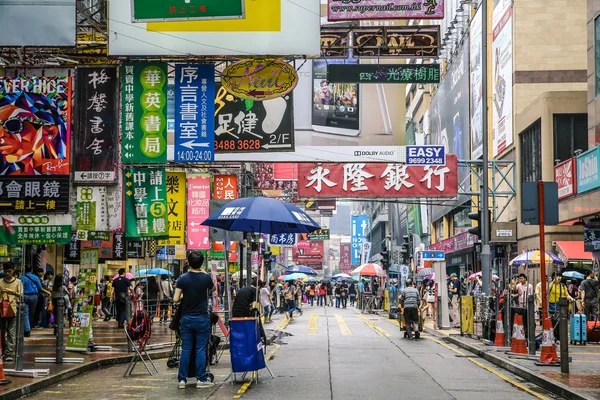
(146,203)
(334,42)
(114,200)
(225,187)
(378,180)
(96,109)
(72,252)
(313,253)
(588,165)
(194,110)
(345,257)
(359,225)
(176,205)
(383,73)
(184,10)
(248,126)
(591,240)
(198,209)
(35,229)
(345,10)
(92,213)
(564,175)
(319,234)
(282,239)
(35,124)
(119,246)
(105,246)
(407,41)
(144,108)
(133,249)
(259,79)
(31,194)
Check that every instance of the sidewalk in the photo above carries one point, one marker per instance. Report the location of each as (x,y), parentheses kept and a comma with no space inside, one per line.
(583,381)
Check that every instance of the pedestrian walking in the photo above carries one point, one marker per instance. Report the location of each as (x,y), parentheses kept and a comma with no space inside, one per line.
(290,299)
(344,293)
(454,292)
(11,290)
(32,285)
(266,302)
(311,294)
(557,291)
(152,295)
(322,293)
(121,292)
(410,301)
(352,293)
(107,294)
(195,288)
(588,291)
(524,290)
(338,295)
(330,294)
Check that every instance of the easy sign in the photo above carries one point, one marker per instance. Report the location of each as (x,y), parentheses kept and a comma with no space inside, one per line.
(425,155)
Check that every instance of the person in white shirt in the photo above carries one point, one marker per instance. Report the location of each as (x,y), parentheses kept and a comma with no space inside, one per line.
(165,295)
(266,302)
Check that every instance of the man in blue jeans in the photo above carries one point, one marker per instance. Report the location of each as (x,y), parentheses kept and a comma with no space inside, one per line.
(31,287)
(193,291)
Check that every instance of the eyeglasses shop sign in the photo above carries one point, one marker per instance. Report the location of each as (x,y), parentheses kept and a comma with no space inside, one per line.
(587,170)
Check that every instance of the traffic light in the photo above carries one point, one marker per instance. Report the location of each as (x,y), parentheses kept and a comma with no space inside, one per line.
(267,259)
(405,249)
(385,256)
(477,216)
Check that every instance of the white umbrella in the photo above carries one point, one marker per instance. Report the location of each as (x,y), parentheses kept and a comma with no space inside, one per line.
(237,275)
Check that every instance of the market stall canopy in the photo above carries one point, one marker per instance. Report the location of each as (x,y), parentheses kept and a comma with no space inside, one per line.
(369,269)
(573,250)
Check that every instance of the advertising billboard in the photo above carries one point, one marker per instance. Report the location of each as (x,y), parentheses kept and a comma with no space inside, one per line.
(360,230)
(177,10)
(344,10)
(588,165)
(564,175)
(476,86)
(269,27)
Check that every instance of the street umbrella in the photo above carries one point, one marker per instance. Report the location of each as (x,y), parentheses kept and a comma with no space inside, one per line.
(128,275)
(295,276)
(424,272)
(302,269)
(431,277)
(141,272)
(261,214)
(369,269)
(159,271)
(472,276)
(573,275)
(237,275)
(533,257)
(341,276)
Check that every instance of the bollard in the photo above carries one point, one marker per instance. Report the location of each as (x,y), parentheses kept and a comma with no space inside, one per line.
(128,316)
(20,345)
(564,340)
(531,324)
(59,320)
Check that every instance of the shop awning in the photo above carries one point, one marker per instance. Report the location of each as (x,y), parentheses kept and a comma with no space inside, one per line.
(573,251)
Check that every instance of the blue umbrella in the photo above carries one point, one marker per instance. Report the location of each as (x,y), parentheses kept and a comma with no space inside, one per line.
(159,271)
(261,214)
(573,274)
(141,272)
(302,269)
(295,276)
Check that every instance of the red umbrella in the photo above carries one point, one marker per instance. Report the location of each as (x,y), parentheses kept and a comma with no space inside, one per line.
(369,269)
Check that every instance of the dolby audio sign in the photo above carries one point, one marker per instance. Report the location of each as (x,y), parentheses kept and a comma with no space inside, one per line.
(383,73)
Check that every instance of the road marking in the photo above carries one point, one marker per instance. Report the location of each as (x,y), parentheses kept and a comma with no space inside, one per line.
(150,379)
(344,328)
(244,387)
(137,387)
(394,321)
(282,324)
(132,395)
(380,331)
(52,391)
(313,328)
(492,370)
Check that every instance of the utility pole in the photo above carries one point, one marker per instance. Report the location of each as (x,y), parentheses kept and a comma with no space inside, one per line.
(486,254)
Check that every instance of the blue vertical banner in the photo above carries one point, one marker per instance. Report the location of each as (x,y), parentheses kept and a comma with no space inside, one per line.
(194,113)
(360,229)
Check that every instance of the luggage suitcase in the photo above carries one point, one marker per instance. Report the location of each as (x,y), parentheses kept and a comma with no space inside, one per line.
(593,331)
(578,329)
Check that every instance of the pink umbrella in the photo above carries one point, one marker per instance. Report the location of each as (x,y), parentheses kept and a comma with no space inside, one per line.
(432,277)
(369,270)
(472,276)
(128,275)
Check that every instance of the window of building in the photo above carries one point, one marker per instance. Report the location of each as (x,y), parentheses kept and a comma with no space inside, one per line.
(597,53)
(570,134)
(531,152)
(439,230)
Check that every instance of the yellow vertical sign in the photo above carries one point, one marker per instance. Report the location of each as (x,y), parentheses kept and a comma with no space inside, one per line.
(176,196)
(467,315)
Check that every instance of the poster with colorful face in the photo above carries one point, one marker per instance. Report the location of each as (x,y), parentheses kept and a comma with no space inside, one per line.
(35,134)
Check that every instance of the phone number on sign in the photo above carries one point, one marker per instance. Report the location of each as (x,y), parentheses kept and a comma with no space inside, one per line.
(194,155)
(235,145)
(425,161)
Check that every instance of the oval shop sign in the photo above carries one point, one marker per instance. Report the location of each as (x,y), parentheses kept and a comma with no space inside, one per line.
(259,79)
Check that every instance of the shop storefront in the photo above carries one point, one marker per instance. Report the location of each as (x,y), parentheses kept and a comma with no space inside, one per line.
(460,253)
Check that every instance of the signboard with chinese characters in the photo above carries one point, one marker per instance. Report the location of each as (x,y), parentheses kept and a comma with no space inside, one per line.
(247,126)
(383,73)
(105,246)
(72,252)
(133,249)
(194,111)
(282,239)
(564,175)
(186,10)
(406,41)
(35,229)
(319,234)
(144,109)
(176,201)
(345,257)
(360,229)
(35,124)
(378,180)
(198,209)
(225,187)
(344,10)
(259,79)
(119,246)
(97,105)
(591,240)
(146,203)
(34,194)
(92,213)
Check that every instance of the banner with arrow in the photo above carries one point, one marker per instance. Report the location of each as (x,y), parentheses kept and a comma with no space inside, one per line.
(35,229)
(249,126)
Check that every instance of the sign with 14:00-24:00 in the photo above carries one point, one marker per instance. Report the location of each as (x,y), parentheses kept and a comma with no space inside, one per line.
(259,79)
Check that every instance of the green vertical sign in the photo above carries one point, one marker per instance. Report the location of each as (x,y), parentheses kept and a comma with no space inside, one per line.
(146,203)
(83,309)
(144,108)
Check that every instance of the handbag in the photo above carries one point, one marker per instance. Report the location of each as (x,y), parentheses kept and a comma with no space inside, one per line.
(6,309)
(50,307)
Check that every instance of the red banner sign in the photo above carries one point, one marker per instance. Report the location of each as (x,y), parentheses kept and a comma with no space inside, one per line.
(564,175)
(225,187)
(313,253)
(378,180)
(345,259)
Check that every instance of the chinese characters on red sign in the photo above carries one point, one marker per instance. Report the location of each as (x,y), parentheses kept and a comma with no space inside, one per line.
(198,210)
(191,9)
(345,262)
(225,187)
(378,180)
(564,175)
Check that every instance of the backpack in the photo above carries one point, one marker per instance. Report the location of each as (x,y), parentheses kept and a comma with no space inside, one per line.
(139,328)
(109,290)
